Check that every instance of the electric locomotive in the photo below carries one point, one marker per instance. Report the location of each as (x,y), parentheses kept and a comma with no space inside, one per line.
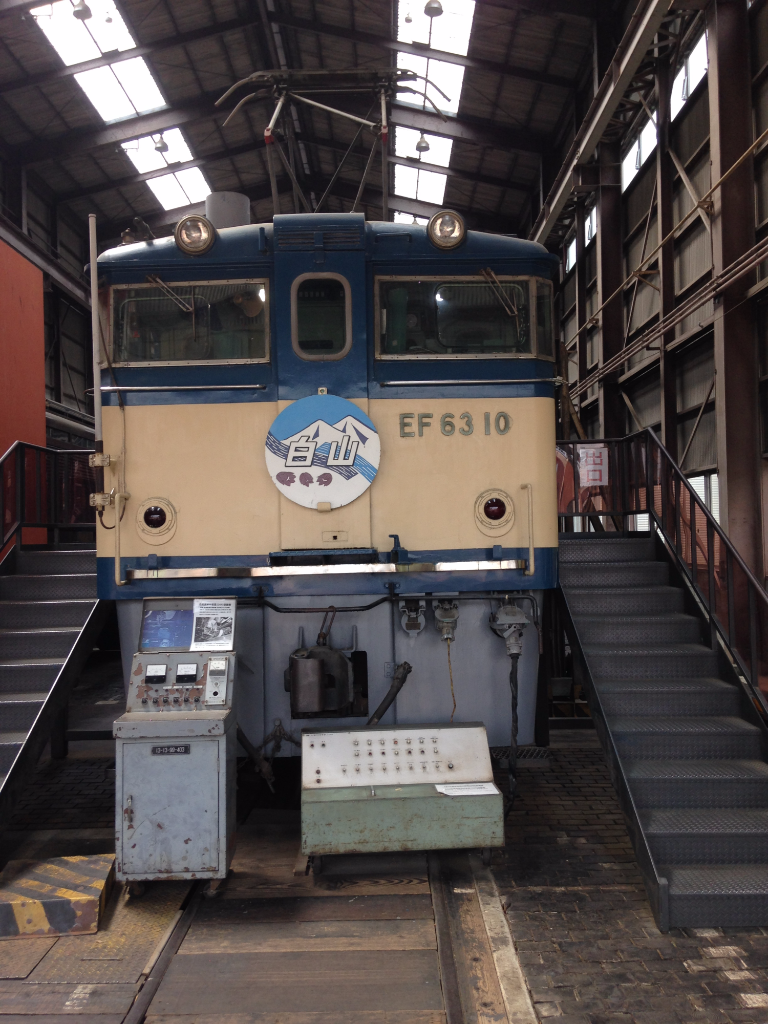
(349,428)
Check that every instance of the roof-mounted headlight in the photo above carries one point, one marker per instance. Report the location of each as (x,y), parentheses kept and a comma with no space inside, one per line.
(195,235)
(446,229)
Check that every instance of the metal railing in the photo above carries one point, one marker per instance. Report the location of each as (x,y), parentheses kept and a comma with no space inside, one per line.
(613,485)
(46,489)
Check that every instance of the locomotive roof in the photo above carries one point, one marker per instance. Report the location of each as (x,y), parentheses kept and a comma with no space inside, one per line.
(382,242)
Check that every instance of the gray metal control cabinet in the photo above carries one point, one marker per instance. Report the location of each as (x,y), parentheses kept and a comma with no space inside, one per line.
(388,788)
(175,759)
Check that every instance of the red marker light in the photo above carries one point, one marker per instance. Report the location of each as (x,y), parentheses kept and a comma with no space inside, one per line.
(494,509)
(155,517)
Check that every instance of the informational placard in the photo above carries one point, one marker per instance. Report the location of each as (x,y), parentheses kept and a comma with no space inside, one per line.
(468,789)
(213,626)
(593,466)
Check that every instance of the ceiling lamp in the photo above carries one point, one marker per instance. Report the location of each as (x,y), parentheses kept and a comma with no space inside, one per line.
(161,146)
(408,18)
(422,146)
(433,9)
(81,11)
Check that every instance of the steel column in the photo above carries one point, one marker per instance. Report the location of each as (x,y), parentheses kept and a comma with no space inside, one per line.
(666,279)
(733,233)
(610,274)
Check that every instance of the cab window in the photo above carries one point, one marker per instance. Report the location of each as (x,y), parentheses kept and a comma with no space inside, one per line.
(190,323)
(321,316)
(466,318)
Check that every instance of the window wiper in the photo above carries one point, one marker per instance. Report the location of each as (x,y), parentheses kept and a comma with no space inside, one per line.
(508,305)
(170,293)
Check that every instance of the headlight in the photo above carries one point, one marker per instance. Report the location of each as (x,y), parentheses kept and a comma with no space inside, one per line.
(195,235)
(446,229)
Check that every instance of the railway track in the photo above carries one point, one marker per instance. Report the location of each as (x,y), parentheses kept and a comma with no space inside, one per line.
(385,939)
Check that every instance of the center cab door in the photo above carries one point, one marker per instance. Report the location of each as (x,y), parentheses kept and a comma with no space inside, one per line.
(321,342)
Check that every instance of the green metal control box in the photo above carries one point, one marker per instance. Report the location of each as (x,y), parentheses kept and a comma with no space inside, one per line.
(390,788)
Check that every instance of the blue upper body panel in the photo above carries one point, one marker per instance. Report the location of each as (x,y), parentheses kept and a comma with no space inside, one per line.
(347,245)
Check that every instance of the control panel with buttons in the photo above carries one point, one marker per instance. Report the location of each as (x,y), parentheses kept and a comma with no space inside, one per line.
(395,756)
(174,682)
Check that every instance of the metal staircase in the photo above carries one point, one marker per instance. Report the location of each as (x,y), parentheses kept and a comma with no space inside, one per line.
(50,616)
(672,670)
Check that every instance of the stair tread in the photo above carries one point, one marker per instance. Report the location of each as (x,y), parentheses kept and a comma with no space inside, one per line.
(746,820)
(717,879)
(680,724)
(4,603)
(640,649)
(30,662)
(24,698)
(14,738)
(685,684)
(682,769)
(606,618)
(35,630)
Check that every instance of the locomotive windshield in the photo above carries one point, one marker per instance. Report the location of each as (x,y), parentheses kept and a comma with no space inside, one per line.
(434,317)
(162,323)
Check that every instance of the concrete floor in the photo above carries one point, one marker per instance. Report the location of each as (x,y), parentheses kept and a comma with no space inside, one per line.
(587,942)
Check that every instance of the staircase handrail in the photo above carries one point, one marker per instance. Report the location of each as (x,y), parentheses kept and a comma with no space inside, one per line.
(41,487)
(676,495)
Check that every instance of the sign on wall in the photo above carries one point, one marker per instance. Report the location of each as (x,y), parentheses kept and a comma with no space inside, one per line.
(322,449)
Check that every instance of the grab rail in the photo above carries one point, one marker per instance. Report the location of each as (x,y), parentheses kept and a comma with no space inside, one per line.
(605,485)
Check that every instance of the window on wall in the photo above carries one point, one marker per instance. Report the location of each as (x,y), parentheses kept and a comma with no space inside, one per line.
(570,255)
(690,74)
(638,153)
(707,486)
(590,226)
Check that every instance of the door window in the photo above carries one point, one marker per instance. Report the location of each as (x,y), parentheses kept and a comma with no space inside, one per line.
(321,316)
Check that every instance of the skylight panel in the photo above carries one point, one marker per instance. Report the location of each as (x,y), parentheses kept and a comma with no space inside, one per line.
(408,218)
(414,183)
(105,93)
(439,151)
(431,187)
(77,41)
(449,31)
(181,189)
(448,77)
(168,192)
(140,87)
(406,181)
(194,184)
(144,155)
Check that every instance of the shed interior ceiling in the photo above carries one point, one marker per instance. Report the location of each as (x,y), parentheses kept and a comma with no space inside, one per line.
(515,73)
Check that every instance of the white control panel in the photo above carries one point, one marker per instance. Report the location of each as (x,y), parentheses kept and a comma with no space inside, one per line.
(395,755)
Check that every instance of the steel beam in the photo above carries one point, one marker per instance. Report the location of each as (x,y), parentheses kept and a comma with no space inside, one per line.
(462,129)
(637,39)
(733,233)
(258,144)
(150,50)
(420,50)
(82,140)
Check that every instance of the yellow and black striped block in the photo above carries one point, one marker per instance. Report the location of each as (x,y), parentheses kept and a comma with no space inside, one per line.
(63,896)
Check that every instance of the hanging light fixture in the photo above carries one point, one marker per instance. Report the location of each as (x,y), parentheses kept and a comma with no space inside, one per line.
(161,146)
(81,11)
(433,9)
(408,18)
(422,146)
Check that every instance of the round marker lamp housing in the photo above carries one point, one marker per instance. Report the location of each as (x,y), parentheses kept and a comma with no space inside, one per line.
(195,235)
(446,229)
